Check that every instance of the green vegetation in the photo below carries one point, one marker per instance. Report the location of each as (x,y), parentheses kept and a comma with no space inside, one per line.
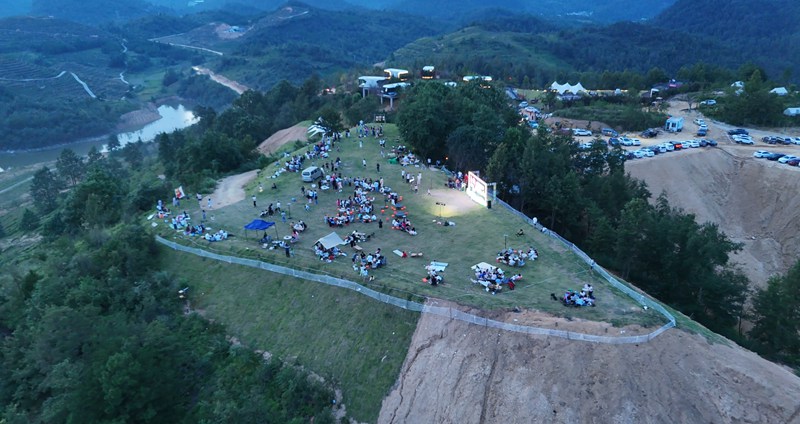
(92,331)
(776,333)
(585,196)
(630,117)
(754,105)
(351,340)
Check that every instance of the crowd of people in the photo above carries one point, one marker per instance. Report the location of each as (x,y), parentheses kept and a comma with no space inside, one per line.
(512,257)
(403,224)
(493,278)
(368,260)
(583,298)
(218,236)
(327,255)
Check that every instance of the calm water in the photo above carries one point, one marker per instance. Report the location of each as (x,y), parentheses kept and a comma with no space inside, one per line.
(172,118)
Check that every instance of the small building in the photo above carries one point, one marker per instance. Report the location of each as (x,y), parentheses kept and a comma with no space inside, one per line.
(428,73)
(370,83)
(780,91)
(792,111)
(674,124)
(395,74)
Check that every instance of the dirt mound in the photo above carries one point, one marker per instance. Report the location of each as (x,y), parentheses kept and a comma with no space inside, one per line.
(275,141)
(754,201)
(459,373)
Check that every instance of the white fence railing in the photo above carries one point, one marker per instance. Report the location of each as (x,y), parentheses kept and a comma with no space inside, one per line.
(410,305)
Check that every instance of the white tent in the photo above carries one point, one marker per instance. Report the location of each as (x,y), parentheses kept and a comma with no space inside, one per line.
(331,240)
(781,91)
(792,111)
(567,88)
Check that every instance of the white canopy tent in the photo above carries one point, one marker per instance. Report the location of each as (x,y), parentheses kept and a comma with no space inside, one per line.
(331,240)
(567,88)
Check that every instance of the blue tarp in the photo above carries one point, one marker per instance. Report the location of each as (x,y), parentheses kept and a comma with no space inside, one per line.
(258,224)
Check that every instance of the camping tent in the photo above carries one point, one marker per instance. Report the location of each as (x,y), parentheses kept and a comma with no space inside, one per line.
(260,224)
(331,240)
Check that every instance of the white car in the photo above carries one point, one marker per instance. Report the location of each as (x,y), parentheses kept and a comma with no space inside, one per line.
(743,139)
(691,143)
(638,154)
(581,132)
(625,141)
(703,127)
(761,154)
(636,142)
(709,102)
(647,153)
(668,146)
(699,121)
(794,140)
(787,158)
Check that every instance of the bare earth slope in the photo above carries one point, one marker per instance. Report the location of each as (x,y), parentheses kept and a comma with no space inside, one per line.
(754,201)
(459,373)
(275,141)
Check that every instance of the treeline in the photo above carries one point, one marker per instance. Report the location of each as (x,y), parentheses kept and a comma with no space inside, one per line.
(224,142)
(584,195)
(91,331)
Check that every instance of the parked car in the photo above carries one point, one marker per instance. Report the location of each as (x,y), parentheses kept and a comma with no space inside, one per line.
(775,156)
(709,102)
(787,158)
(743,139)
(638,154)
(668,146)
(761,154)
(625,141)
(581,132)
(736,131)
(699,121)
(647,152)
(691,143)
(794,140)
(677,145)
(609,132)
(649,133)
(711,142)
(794,162)
(636,142)
(613,141)
(702,132)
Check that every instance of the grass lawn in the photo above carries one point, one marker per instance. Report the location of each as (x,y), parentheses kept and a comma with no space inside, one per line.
(351,340)
(477,237)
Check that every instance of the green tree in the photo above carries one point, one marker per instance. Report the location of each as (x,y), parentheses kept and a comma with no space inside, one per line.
(112,143)
(132,152)
(70,166)
(44,190)
(29,221)
(776,317)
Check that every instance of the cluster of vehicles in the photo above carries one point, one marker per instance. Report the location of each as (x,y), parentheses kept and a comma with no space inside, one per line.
(790,160)
(741,136)
(670,146)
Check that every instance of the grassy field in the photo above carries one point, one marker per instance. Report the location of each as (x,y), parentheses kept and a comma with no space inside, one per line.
(477,237)
(349,339)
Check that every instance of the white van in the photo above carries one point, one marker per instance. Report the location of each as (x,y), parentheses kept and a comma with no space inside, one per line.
(311,174)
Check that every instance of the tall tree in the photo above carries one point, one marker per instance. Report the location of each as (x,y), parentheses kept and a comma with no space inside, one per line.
(70,166)
(44,190)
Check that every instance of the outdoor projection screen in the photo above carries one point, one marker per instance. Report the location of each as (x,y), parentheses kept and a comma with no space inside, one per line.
(477,189)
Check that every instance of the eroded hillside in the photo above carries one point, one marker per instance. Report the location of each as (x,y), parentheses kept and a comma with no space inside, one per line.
(460,373)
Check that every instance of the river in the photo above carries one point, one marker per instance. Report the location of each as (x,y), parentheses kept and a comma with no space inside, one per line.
(172,118)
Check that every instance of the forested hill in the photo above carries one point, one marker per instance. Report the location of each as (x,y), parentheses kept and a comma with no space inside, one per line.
(311,40)
(520,48)
(94,12)
(765,31)
(589,10)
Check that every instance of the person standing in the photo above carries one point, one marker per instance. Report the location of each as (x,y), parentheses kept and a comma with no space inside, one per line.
(278,206)
(364,162)
(209,204)
(283,216)
(254,201)
(380,222)
(378,167)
